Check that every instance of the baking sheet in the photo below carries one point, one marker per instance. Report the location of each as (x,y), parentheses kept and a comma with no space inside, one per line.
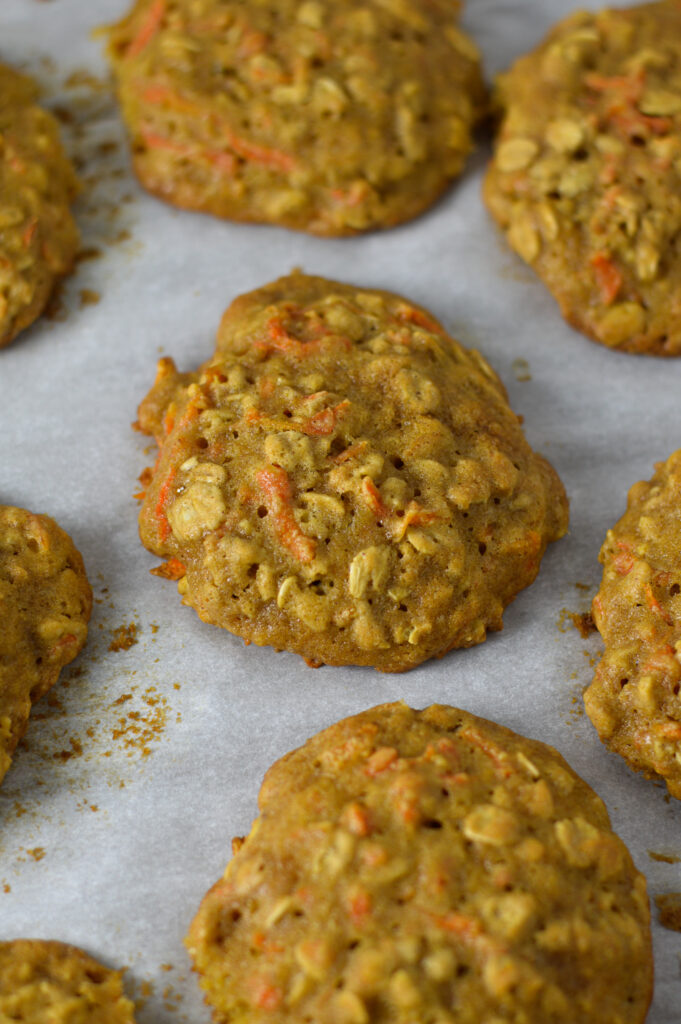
(143,763)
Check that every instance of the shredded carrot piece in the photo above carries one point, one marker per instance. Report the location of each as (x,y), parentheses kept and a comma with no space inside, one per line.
(266,996)
(372,496)
(159,510)
(276,486)
(351,452)
(411,315)
(497,756)
(467,928)
(356,819)
(360,907)
(223,162)
(324,421)
(64,641)
(608,277)
(655,605)
(173,569)
(275,159)
(29,232)
(671,730)
(629,86)
(147,29)
(380,760)
(623,562)
(139,495)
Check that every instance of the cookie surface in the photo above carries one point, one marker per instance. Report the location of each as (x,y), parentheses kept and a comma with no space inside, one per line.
(345,481)
(38,236)
(426,866)
(329,116)
(42,981)
(45,603)
(634,698)
(586,176)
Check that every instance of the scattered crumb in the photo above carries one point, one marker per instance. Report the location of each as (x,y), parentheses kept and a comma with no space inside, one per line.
(124,637)
(583,586)
(6,887)
(75,751)
(664,858)
(669,906)
(583,621)
(138,728)
(89,253)
(38,852)
(521,370)
(88,297)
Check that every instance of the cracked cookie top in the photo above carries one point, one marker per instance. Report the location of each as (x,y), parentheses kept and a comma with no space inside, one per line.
(329,116)
(45,604)
(43,981)
(344,480)
(586,176)
(38,236)
(634,698)
(426,866)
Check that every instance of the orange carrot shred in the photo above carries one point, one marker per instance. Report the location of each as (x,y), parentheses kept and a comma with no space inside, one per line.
(608,277)
(173,569)
(276,486)
(147,29)
(159,510)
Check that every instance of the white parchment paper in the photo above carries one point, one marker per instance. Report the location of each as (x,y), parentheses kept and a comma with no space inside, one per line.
(118,812)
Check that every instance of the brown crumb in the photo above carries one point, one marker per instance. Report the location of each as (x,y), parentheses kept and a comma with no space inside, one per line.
(583,621)
(38,852)
(124,637)
(521,370)
(89,253)
(88,297)
(6,887)
(66,755)
(664,858)
(669,906)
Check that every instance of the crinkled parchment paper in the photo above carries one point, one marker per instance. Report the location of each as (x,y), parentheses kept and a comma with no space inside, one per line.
(146,759)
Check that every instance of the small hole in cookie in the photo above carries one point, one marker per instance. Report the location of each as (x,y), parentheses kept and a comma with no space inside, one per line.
(397,462)
(432,823)
(674,589)
(482,548)
(201,443)
(32,544)
(262,511)
(623,683)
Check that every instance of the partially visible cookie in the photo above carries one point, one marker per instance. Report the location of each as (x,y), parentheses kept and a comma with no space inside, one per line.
(45,604)
(634,698)
(38,235)
(51,983)
(586,175)
(329,116)
(345,481)
(426,866)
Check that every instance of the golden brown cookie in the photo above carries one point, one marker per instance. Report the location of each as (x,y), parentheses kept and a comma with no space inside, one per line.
(45,603)
(586,175)
(38,236)
(345,481)
(634,698)
(426,866)
(51,983)
(329,116)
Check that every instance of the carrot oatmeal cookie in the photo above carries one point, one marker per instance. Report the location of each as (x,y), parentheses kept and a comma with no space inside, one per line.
(329,116)
(345,481)
(38,236)
(426,866)
(586,177)
(51,983)
(45,603)
(634,698)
